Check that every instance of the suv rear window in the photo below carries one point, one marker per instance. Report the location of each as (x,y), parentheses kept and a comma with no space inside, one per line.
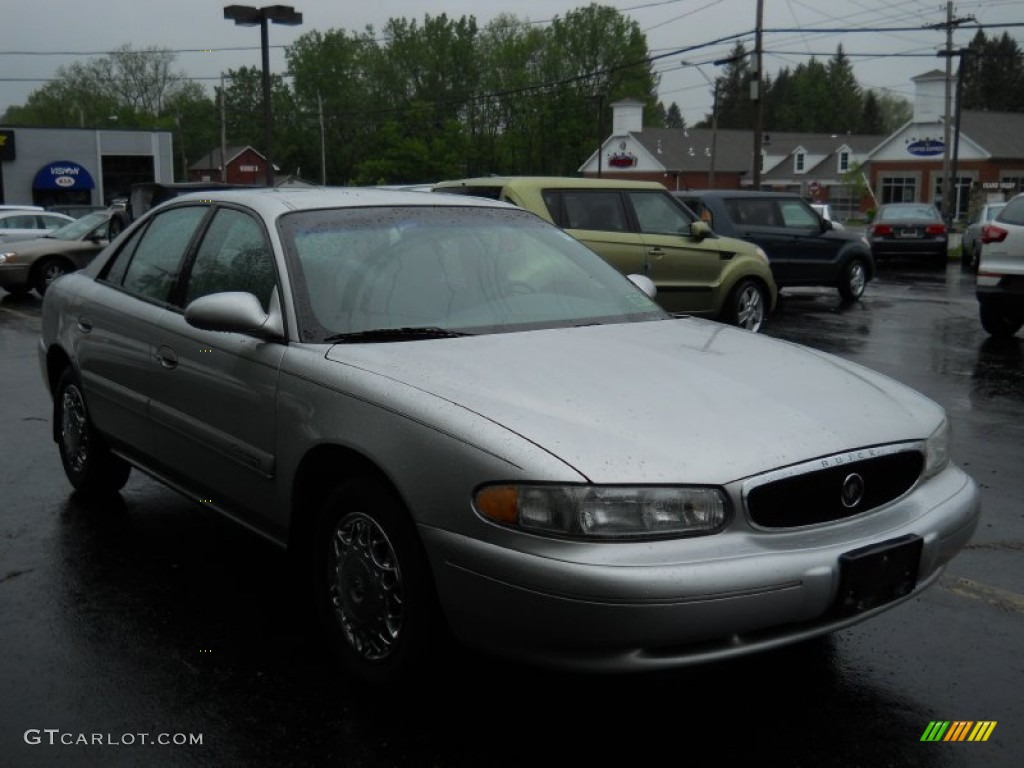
(594,209)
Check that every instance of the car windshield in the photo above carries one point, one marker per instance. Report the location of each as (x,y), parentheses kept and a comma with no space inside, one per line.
(447,268)
(79,228)
(903,212)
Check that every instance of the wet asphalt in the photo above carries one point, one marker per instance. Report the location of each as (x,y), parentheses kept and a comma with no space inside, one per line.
(149,615)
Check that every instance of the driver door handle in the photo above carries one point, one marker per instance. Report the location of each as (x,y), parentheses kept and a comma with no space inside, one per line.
(168,359)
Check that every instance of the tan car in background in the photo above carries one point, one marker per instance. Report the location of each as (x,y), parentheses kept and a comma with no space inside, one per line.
(639,228)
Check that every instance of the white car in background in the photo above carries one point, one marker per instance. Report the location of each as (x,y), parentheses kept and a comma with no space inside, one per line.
(27,223)
(825,211)
(1000,282)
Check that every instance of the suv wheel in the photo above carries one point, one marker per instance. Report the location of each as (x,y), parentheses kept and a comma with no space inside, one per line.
(1000,322)
(747,306)
(853,281)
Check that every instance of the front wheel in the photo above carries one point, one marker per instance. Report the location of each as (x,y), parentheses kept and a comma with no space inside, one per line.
(373,586)
(747,306)
(1000,322)
(88,463)
(853,281)
(47,270)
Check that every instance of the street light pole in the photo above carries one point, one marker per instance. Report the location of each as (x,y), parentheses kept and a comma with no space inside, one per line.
(250,16)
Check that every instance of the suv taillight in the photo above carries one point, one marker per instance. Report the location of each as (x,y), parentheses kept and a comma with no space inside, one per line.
(990,233)
(881,229)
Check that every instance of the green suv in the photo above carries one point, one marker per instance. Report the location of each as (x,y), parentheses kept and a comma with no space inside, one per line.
(640,228)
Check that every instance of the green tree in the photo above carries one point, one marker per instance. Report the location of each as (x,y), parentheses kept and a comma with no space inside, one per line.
(735,109)
(845,105)
(674,117)
(993,74)
(871,119)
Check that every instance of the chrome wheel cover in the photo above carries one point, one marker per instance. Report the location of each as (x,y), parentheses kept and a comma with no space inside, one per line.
(365,586)
(52,272)
(857,279)
(74,429)
(750,309)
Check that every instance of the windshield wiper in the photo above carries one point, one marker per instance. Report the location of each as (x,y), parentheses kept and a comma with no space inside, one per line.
(395,334)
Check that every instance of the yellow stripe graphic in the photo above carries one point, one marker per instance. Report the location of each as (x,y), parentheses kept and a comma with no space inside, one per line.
(982,730)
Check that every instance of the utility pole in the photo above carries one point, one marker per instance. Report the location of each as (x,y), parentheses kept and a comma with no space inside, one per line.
(223,133)
(951,23)
(757,94)
(323,143)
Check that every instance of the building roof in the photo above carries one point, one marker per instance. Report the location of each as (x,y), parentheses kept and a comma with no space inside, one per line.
(212,159)
(998,133)
(690,149)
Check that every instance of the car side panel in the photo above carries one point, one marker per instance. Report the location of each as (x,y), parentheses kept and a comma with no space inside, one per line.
(110,335)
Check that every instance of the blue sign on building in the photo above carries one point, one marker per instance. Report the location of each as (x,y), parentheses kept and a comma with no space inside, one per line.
(926,147)
(63,174)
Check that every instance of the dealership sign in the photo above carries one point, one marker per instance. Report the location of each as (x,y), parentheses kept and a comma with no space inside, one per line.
(63,174)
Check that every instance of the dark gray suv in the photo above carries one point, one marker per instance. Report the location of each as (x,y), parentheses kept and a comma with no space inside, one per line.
(803,248)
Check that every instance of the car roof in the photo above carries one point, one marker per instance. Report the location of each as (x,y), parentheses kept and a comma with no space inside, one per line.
(565,182)
(272,202)
(735,193)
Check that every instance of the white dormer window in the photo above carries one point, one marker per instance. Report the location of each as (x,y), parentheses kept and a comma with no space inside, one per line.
(844,161)
(798,162)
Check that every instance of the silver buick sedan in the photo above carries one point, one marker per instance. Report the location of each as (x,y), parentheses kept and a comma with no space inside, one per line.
(468,426)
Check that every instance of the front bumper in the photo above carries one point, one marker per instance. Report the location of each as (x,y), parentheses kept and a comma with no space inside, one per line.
(641,606)
(14,275)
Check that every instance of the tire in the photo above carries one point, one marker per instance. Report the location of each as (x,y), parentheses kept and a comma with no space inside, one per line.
(1000,322)
(968,261)
(373,587)
(89,465)
(47,270)
(853,280)
(746,306)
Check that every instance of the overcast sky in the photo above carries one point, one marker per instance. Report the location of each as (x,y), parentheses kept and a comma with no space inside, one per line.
(33,32)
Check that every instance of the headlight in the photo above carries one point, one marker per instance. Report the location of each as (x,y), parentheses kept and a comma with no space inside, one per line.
(605,512)
(936,450)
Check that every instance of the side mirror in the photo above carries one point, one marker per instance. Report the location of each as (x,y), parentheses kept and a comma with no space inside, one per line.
(700,230)
(826,225)
(645,284)
(233,312)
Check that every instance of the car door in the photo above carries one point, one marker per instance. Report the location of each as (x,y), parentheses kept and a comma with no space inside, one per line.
(598,219)
(685,271)
(117,317)
(814,255)
(214,407)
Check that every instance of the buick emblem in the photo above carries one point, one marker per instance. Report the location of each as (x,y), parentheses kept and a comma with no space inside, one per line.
(853,490)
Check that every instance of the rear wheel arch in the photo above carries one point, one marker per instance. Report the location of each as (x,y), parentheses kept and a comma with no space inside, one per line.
(57,361)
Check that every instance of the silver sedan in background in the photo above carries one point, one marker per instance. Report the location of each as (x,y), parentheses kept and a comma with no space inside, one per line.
(465,423)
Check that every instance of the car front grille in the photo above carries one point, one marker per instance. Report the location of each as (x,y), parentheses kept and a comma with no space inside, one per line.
(833,488)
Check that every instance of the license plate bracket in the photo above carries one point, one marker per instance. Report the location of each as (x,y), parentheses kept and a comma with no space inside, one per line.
(909,233)
(877,574)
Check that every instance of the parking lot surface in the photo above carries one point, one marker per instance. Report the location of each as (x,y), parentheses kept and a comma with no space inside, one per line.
(148,620)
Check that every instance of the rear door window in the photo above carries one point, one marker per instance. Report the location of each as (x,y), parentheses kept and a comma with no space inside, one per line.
(601,210)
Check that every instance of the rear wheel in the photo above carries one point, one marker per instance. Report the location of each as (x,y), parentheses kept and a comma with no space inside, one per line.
(1000,322)
(853,281)
(47,270)
(747,306)
(88,463)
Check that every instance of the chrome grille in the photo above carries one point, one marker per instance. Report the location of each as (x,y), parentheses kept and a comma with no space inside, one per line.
(833,488)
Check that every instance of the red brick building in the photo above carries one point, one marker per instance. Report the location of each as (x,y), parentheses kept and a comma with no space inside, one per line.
(244,166)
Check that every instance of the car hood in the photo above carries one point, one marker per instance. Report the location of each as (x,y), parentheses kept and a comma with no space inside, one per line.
(681,400)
